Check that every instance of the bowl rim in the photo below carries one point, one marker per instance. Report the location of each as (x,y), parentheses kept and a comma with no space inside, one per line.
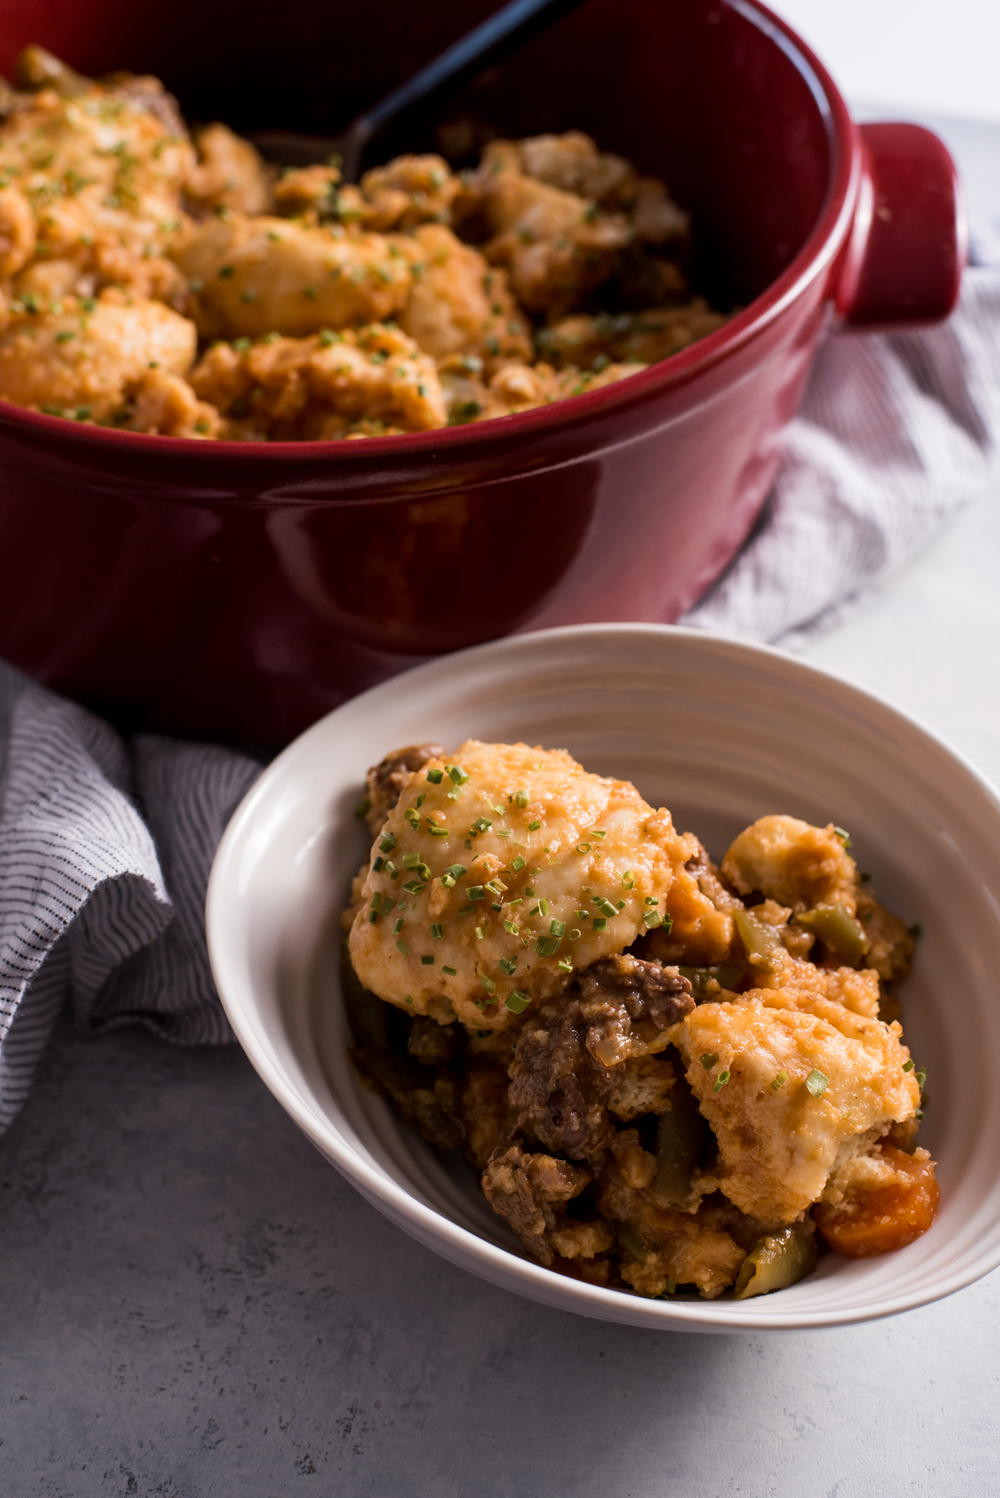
(813,258)
(467,1248)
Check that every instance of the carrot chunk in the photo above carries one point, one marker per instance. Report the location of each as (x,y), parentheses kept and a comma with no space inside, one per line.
(885,1216)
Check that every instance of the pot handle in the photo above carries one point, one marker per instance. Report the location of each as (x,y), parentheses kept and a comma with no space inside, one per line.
(904,259)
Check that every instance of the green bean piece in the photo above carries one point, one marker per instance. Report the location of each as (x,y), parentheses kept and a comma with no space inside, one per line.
(679,1148)
(838,930)
(632,1241)
(761,942)
(776,1261)
(726,974)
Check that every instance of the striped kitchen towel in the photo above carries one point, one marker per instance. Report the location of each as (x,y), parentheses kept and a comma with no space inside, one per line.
(105,846)
(896,434)
(105,850)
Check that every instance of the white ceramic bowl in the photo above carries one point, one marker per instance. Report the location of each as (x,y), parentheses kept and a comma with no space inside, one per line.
(721,733)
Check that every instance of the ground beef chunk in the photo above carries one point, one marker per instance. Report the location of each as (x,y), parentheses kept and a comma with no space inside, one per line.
(562,1074)
(428,1100)
(710,880)
(527,1190)
(385,781)
(483,1111)
(432,1044)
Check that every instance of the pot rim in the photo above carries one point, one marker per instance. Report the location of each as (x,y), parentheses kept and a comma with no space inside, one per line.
(823,243)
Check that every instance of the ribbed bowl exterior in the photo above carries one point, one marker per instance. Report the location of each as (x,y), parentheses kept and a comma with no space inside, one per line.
(720,732)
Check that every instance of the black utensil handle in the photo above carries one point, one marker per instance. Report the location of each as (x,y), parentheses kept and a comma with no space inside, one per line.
(494,38)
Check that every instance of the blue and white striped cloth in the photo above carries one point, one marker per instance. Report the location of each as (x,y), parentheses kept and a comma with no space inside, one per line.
(105,846)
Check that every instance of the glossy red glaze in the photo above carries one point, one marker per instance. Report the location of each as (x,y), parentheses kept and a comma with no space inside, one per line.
(239,591)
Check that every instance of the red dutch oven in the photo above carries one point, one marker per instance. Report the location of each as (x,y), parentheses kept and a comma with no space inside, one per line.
(239,590)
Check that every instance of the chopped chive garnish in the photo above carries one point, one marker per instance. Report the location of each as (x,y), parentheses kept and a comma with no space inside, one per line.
(921,1079)
(476,891)
(480,932)
(414,886)
(574,934)
(397,927)
(451,971)
(517,1002)
(488,984)
(521,798)
(816,1083)
(427,961)
(780,1079)
(721,1081)
(437,931)
(504,832)
(557,928)
(534,826)
(499,810)
(420,799)
(668,924)
(512,928)
(547,946)
(413,817)
(844,835)
(583,847)
(605,906)
(600,923)
(451,876)
(509,965)
(597,832)
(391,869)
(495,886)
(517,864)
(434,828)
(628,879)
(481,824)
(378,865)
(457,774)
(387,842)
(401,945)
(435,776)
(651,900)
(652,919)
(565,964)
(709,1060)
(529,889)
(908,1065)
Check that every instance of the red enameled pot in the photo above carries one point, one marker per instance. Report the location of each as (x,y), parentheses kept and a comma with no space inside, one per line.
(240,590)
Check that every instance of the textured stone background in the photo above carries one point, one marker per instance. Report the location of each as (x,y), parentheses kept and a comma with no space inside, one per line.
(194,1305)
